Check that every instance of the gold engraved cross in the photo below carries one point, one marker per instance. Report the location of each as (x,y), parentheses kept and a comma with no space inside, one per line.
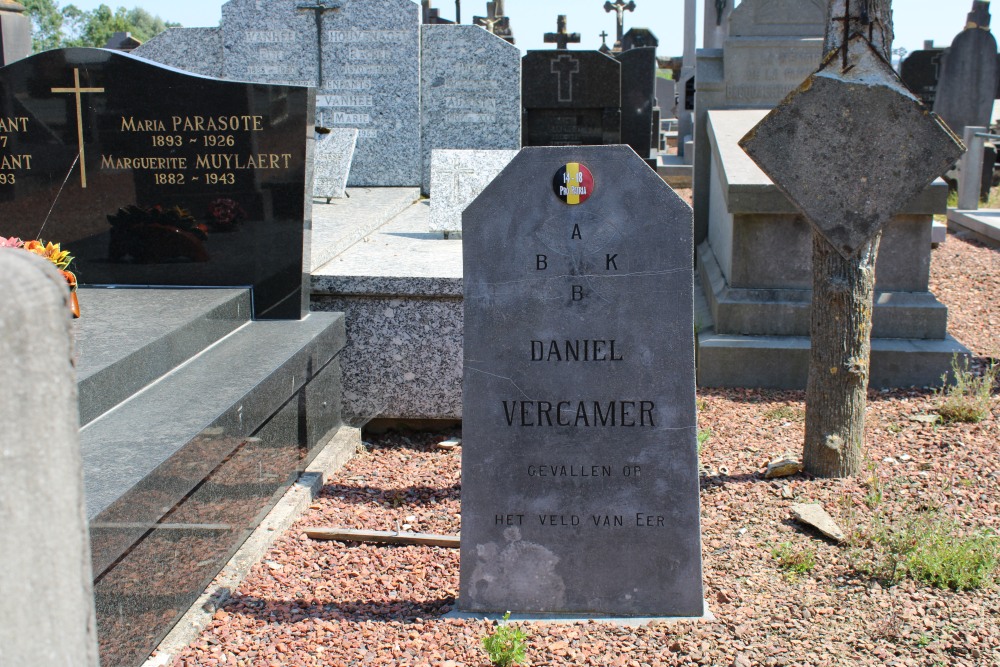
(76,89)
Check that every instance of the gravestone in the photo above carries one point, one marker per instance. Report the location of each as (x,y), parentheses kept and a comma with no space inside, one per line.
(772,46)
(332,162)
(151,176)
(666,96)
(638,98)
(570,98)
(15,32)
(968,82)
(470,90)
(457,178)
(197,50)
(367,78)
(921,72)
(44,547)
(637,38)
(578,398)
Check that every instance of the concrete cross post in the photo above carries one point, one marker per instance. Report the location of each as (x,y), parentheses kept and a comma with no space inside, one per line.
(970,169)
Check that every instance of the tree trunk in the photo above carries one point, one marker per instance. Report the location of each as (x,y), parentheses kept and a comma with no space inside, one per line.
(842,301)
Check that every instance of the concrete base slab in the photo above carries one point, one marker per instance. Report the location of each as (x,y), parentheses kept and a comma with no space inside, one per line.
(571,619)
(782,362)
(983,225)
(675,171)
(338,225)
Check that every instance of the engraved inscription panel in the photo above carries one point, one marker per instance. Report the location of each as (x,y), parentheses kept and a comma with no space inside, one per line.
(580,489)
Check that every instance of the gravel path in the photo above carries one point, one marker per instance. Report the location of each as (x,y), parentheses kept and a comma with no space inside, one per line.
(329,603)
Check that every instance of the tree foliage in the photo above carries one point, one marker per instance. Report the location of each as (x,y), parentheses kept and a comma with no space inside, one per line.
(55,27)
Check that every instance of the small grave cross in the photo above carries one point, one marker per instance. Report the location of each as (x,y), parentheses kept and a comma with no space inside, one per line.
(604,40)
(562,38)
(77,90)
(564,67)
(620,6)
(318,10)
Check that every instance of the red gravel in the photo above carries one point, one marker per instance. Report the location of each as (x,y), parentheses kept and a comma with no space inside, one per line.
(330,603)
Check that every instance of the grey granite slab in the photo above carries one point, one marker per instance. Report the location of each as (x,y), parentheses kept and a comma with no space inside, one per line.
(332,162)
(341,223)
(457,177)
(470,88)
(197,50)
(401,258)
(127,338)
(769,18)
(371,61)
(579,464)
(271,42)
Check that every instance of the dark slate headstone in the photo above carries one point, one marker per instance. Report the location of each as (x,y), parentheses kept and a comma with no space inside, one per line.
(637,38)
(921,71)
(968,82)
(570,98)
(151,176)
(638,97)
(579,469)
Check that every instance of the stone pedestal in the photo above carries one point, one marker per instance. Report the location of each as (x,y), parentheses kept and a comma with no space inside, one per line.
(755,268)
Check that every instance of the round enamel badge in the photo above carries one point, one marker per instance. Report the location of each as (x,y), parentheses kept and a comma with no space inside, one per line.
(573,183)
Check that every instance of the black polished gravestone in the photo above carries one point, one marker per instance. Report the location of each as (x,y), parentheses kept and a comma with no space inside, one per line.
(920,72)
(151,176)
(570,98)
(580,463)
(638,98)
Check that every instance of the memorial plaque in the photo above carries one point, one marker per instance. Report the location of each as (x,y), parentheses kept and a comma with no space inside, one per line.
(151,176)
(333,156)
(638,97)
(571,98)
(921,71)
(580,464)
(457,178)
(371,60)
(470,92)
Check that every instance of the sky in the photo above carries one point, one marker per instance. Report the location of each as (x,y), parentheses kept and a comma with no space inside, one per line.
(915,20)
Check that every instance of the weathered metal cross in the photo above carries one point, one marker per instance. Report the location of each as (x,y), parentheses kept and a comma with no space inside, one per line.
(621,7)
(318,10)
(604,39)
(561,38)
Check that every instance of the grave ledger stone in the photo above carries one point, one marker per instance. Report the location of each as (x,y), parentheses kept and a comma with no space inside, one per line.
(457,178)
(580,482)
(151,176)
(570,98)
(471,92)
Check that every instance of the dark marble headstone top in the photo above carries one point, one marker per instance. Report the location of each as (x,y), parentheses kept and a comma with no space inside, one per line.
(570,98)
(579,470)
(920,72)
(152,176)
(638,97)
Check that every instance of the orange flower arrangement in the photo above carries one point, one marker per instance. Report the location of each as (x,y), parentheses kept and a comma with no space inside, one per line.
(55,254)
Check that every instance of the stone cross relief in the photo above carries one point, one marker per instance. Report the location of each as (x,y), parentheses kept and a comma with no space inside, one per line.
(562,38)
(564,67)
(620,6)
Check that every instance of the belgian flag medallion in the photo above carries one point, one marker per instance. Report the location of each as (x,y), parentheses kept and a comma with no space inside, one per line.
(573,183)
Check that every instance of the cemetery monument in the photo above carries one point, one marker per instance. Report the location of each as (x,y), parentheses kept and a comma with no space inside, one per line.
(579,469)
(967,85)
(15,32)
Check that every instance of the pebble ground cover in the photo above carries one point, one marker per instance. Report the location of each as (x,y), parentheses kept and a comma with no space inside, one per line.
(781,595)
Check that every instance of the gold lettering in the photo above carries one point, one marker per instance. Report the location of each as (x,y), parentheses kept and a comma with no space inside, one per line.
(11,162)
(13,123)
